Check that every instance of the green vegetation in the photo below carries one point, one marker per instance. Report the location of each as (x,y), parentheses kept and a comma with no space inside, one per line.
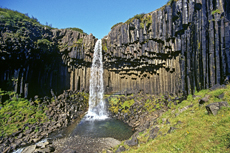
(76,29)
(44,44)
(170,2)
(137,16)
(216,11)
(10,17)
(197,131)
(116,24)
(78,43)
(104,45)
(120,102)
(148,20)
(16,112)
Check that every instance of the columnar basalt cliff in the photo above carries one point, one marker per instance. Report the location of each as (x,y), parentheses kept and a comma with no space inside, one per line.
(35,59)
(177,49)
(182,47)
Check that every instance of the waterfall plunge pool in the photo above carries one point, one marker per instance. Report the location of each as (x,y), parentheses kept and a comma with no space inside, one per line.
(103,128)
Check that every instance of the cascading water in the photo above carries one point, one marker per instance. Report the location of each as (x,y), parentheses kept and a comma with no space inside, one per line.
(97,109)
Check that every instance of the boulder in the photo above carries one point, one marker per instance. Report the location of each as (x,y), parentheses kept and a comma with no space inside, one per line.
(120,149)
(215,107)
(204,100)
(111,142)
(221,96)
(153,133)
(217,86)
(132,142)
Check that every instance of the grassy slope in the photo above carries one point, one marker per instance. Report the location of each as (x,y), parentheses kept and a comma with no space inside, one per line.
(198,132)
(15,113)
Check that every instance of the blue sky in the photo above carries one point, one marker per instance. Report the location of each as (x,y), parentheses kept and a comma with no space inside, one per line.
(92,16)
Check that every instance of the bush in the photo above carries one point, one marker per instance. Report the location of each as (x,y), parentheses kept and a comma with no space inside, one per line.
(137,16)
(116,24)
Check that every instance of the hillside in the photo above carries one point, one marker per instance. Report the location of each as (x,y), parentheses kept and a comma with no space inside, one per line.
(188,126)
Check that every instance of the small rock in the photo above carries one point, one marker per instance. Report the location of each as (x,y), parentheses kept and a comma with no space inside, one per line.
(185,108)
(204,100)
(214,107)
(69,151)
(20,135)
(120,149)
(29,149)
(132,142)
(167,121)
(109,151)
(153,133)
(171,129)
(221,96)
(196,96)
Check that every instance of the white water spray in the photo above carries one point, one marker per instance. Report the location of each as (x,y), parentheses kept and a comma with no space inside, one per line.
(97,109)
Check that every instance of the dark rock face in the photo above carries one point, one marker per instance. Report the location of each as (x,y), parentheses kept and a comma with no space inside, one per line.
(186,46)
(214,107)
(47,59)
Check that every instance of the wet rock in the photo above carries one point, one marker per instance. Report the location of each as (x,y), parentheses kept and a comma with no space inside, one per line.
(215,107)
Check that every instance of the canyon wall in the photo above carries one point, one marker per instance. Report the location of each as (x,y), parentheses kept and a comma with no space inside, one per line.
(177,49)
(182,47)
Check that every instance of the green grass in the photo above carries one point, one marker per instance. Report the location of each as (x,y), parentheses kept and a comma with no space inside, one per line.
(198,132)
(15,113)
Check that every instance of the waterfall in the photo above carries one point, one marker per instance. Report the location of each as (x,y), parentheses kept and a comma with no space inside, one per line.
(97,109)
